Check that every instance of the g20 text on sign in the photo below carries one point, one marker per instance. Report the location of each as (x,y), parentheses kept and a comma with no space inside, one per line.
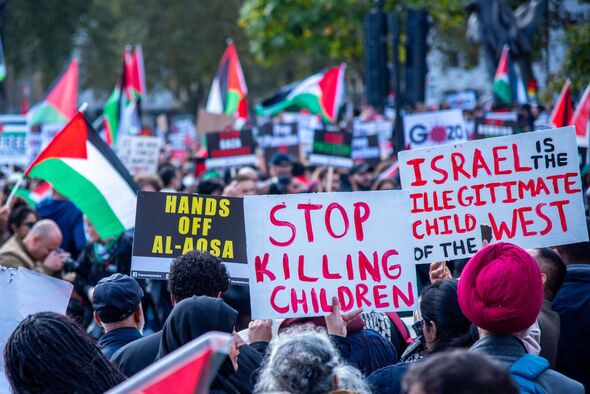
(304,249)
(172,224)
(434,128)
(524,189)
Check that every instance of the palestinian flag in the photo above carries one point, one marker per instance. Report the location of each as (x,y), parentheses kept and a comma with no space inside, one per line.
(121,112)
(581,118)
(501,86)
(35,195)
(561,115)
(189,369)
(228,90)
(79,165)
(320,94)
(60,103)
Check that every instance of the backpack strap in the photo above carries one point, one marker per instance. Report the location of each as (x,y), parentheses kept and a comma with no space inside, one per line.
(526,370)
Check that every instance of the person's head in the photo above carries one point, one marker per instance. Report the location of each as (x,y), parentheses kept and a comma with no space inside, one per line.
(48,352)
(210,187)
(117,303)
(245,186)
(296,185)
(43,238)
(248,172)
(458,372)
(148,182)
(304,360)
(553,271)
(281,164)
(321,176)
(195,316)
(576,253)
(445,325)
(197,273)
(21,220)
(501,290)
(169,176)
(384,184)
(360,177)
(91,233)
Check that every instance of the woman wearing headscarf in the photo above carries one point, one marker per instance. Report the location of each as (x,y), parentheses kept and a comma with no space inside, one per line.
(195,316)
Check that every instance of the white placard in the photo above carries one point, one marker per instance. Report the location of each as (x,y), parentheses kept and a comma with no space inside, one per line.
(139,154)
(524,189)
(14,140)
(434,128)
(303,249)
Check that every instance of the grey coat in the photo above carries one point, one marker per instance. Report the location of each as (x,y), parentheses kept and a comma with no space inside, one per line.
(508,348)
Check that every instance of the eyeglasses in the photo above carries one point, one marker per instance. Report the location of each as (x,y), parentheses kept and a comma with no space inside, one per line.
(29,224)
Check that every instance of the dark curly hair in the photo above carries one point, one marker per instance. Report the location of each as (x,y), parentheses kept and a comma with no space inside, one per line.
(49,353)
(197,274)
(18,215)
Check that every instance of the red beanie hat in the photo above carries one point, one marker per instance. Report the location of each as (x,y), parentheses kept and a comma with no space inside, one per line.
(500,289)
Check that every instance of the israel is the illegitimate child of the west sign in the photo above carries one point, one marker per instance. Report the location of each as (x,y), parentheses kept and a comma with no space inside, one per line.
(524,189)
(303,249)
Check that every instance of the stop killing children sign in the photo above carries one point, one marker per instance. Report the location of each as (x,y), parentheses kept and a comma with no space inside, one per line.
(523,189)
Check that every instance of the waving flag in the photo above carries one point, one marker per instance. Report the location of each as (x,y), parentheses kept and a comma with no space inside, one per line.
(60,103)
(321,94)
(501,86)
(228,90)
(190,369)
(581,118)
(80,166)
(562,113)
(122,110)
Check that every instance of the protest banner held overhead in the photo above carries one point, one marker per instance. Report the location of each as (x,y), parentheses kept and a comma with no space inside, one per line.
(382,128)
(139,154)
(495,124)
(305,249)
(332,148)
(306,125)
(14,140)
(279,137)
(434,128)
(524,189)
(171,224)
(230,148)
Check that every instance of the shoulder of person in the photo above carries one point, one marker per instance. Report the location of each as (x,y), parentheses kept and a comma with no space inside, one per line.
(552,382)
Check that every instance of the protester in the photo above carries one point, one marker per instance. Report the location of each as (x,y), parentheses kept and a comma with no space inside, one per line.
(501,292)
(170,179)
(304,360)
(193,317)
(360,178)
(553,271)
(148,182)
(117,309)
(49,353)
(444,327)
(69,219)
(240,186)
(20,221)
(280,165)
(321,178)
(458,372)
(195,274)
(211,187)
(572,303)
(37,250)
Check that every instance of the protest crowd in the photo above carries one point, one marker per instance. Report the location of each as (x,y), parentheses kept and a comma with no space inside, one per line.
(311,250)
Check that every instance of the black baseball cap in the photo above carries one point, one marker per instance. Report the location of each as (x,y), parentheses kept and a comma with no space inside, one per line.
(280,159)
(116,297)
(360,168)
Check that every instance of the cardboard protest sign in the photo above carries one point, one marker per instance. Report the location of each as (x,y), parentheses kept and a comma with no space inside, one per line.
(279,137)
(524,189)
(366,149)
(172,224)
(303,249)
(434,128)
(14,140)
(382,128)
(182,136)
(332,148)
(24,292)
(207,122)
(139,154)
(495,124)
(230,149)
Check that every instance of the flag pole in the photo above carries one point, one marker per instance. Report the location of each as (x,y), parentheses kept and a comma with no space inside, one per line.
(13,191)
(83,107)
